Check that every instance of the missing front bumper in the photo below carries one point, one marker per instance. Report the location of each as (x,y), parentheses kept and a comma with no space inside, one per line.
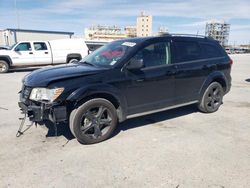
(52,112)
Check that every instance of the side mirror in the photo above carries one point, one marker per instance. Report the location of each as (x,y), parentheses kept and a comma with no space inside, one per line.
(17,49)
(135,64)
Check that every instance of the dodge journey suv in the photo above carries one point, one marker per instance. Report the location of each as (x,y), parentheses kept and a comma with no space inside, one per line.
(125,79)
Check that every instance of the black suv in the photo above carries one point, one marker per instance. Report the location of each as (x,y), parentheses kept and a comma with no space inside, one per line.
(128,78)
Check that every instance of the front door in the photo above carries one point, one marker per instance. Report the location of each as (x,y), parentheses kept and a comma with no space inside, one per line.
(151,87)
(23,54)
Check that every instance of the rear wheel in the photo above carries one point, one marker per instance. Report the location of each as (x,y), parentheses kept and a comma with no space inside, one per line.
(74,60)
(4,66)
(94,121)
(212,98)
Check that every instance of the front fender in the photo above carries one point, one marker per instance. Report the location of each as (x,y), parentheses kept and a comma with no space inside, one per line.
(83,92)
(6,58)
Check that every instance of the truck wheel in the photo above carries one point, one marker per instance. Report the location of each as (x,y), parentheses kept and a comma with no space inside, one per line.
(94,121)
(212,98)
(73,60)
(4,66)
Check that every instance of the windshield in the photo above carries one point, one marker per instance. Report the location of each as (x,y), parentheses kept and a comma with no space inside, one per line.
(109,54)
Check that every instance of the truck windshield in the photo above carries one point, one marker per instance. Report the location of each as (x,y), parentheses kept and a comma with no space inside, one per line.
(109,54)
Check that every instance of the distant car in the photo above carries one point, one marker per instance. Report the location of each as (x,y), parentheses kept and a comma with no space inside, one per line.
(37,53)
(125,79)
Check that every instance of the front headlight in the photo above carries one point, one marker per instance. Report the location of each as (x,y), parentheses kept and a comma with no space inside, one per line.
(44,94)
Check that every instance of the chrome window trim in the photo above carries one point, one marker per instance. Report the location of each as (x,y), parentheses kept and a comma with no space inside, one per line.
(160,110)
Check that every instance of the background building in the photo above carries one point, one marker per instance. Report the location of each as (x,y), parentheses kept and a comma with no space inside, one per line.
(162,30)
(130,31)
(218,30)
(11,36)
(105,33)
(144,25)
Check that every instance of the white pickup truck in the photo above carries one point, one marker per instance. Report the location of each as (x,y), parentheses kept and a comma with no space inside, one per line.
(37,53)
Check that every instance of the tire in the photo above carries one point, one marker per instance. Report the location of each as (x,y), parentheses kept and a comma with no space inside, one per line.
(94,121)
(212,98)
(4,66)
(73,60)
(71,118)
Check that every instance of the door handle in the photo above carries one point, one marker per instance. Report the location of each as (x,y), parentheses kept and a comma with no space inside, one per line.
(31,53)
(46,52)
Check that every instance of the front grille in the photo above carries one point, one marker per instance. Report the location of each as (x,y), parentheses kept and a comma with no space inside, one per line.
(26,92)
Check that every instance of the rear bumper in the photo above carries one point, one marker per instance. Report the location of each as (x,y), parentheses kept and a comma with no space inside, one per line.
(44,111)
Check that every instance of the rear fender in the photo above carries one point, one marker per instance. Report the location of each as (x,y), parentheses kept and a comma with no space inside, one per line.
(215,76)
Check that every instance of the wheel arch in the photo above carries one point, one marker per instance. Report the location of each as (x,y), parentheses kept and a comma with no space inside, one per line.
(82,95)
(73,56)
(7,59)
(214,77)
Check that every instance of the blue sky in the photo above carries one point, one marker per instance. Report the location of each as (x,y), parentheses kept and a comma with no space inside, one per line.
(178,16)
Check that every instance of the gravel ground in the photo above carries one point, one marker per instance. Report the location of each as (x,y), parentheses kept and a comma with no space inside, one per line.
(175,148)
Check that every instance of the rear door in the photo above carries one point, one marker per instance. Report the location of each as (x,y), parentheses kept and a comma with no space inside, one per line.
(190,65)
(42,53)
(23,54)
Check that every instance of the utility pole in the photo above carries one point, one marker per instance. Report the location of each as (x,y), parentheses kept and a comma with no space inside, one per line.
(17,15)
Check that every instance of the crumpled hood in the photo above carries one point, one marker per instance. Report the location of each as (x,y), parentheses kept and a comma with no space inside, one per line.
(42,77)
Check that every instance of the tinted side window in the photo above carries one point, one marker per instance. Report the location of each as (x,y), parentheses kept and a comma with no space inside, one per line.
(40,46)
(187,51)
(155,54)
(23,47)
(211,51)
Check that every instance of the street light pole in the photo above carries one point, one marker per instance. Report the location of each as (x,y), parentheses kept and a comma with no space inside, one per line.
(17,15)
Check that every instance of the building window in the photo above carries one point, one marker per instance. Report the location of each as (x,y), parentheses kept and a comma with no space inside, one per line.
(143,20)
(142,29)
(146,25)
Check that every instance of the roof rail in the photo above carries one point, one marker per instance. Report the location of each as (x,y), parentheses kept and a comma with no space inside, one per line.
(184,35)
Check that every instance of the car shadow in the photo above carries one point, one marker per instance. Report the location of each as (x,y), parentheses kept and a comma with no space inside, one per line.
(155,118)
(247,80)
(63,128)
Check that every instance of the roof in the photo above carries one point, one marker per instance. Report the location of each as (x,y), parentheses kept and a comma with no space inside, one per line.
(40,31)
(176,36)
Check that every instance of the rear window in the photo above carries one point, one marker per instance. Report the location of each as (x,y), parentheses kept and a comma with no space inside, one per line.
(211,51)
(40,46)
(187,51)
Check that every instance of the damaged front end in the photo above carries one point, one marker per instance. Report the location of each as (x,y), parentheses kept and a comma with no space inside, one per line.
(39,105)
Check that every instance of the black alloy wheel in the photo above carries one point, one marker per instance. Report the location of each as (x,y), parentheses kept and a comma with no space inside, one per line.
(94,121)
(212,98)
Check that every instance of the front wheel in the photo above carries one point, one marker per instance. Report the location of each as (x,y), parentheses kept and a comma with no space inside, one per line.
(212,98)
(94,121)
(4,66)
